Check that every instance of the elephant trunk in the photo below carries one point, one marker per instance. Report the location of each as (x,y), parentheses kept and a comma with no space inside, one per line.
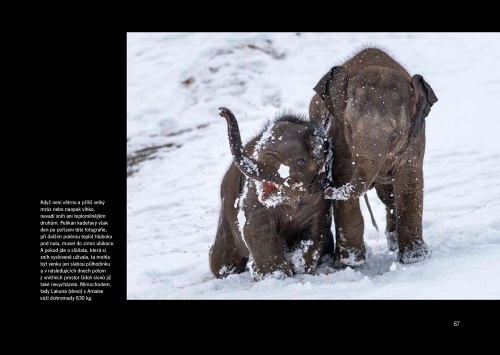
(363,175)
(360,183)
(250,167)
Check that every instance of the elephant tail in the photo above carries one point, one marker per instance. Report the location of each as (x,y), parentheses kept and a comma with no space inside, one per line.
(374,223)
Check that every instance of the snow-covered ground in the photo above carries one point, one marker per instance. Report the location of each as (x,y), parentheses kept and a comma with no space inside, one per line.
(177,81)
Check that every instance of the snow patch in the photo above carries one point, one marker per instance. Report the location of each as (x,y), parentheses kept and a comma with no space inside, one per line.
(226,270)
(352,254)
(342,193)
(318,140)
(276,197)
(284,171)
(242,219)
(266,136)
(257,276)
(329,161)
(249,166)
(350,260)
(296,257)
(418,253)
(299,185)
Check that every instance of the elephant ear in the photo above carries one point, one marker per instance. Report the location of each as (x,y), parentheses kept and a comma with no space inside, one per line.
(332,90)
(424,98)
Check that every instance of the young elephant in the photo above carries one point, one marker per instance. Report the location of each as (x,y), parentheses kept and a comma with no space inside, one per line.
(376,116)
(273,205)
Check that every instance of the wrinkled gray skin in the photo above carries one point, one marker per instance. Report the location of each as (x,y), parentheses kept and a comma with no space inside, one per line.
(300,224)
(376,114)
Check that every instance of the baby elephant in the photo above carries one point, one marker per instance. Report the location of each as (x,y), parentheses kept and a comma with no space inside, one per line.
(273,206)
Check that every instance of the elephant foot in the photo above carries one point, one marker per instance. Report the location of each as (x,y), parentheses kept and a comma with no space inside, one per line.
(302,258)
(392,240)
(415,254)
(275,271)
(225,271)
(351,256)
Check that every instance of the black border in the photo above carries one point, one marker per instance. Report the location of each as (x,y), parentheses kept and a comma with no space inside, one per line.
(81,135)
(81,148)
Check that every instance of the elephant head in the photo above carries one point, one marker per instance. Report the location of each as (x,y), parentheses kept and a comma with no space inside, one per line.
(287,161)
(380,112)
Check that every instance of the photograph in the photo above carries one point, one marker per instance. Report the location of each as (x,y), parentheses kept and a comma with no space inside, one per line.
(312,166)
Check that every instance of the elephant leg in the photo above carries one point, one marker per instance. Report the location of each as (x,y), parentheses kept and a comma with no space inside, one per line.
(321,235)
(386,195)
(225,257)
(266,246)
(408,189)
(329,248)
(307,254)
(349,228)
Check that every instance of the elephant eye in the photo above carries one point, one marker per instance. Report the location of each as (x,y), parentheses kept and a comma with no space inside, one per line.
(300,163)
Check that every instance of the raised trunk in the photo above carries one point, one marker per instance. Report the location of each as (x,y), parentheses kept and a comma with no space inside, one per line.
(250,167)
